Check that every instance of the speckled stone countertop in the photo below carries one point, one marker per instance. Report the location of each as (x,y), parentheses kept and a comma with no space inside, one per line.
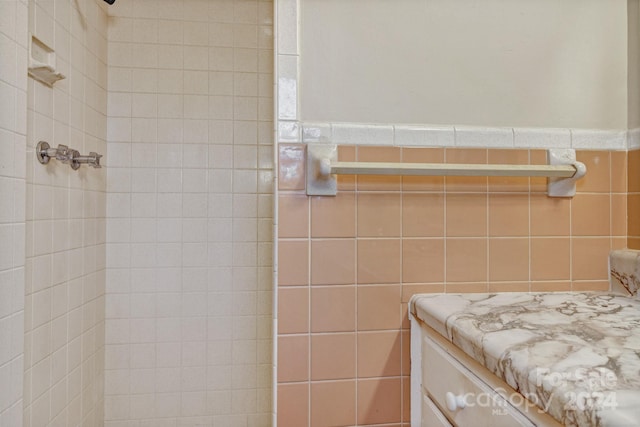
(575,355)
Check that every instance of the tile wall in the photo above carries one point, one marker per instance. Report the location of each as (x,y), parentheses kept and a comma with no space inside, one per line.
(65,228)
(633,200)
(13,99)
(189,252)
(349,264)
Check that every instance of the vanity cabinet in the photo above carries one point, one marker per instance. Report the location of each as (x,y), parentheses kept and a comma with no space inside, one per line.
(451,389)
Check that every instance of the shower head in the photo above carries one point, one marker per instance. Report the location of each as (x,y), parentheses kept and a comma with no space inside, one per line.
(110,1)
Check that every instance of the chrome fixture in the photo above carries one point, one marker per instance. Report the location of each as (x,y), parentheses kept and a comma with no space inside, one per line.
(66,155)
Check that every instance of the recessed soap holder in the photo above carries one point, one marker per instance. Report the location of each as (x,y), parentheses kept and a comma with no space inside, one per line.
(42,62)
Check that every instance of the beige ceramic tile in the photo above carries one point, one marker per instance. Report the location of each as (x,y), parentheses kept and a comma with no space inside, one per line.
(633,171)
(508,157)
(379,307)
(466,183)
(467,288)
(379,183)
(293,256)
(293,358)
(560,286)
(422,260)
(410,289)
(406,401)
(334,216)
(379,215)
(379,261)
(508,260)
(590,215)
(333,309)
(618,171)
(423,155)
(633,243)
(333,356)
(598,177)
(333,262)
(508,215)
(293,215)
(466,260)
(293,404)
(618,243)
(379,354)
(590,256)
(293,310)
(550,216)
(291,166)
(633,215)
(466,215)
(618,214)
(591,286)
(538,184)
(509,286)
(406,352)
(333,403)
(550,259)
(379,401)
(346,153)
(422,214)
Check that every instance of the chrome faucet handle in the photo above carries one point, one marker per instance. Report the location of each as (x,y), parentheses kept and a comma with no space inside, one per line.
(62,153)
(96,160)
(73,159)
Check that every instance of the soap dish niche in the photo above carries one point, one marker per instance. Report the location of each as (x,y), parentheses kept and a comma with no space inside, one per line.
(42,62)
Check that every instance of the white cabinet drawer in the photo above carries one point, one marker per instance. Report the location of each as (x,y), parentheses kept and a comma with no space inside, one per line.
(431,415)
(442,374)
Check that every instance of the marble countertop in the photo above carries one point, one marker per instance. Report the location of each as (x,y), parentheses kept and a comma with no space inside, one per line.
(574,355)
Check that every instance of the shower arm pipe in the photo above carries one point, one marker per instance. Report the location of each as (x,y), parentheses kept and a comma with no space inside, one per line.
(563,170)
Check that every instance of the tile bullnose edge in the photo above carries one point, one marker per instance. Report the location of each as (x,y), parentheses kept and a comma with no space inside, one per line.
(624,272)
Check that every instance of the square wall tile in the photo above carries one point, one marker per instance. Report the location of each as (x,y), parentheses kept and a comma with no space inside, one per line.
(291,166)
(590,258)
(293,404)
(423,183)
(333,309)
(379,307)
(379,261)
(293,215)
(598,177)
(379,154)
(508,215)
(333,356)
(550,259)
(423,215)
(466,215)
(590,215)
(294,267)
(334,216)
(333,262)
(379,354)
(379,215)
(422,260)
(466,260)
(378,401)
(293,358)
(508,260)
(333,403)
(293,310)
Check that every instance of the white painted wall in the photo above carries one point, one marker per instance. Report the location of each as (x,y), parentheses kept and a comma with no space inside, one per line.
(521,63)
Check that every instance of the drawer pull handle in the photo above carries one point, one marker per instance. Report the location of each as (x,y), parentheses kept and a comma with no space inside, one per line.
(455,402)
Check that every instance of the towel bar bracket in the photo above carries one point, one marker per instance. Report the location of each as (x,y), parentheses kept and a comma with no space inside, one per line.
(562,170)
